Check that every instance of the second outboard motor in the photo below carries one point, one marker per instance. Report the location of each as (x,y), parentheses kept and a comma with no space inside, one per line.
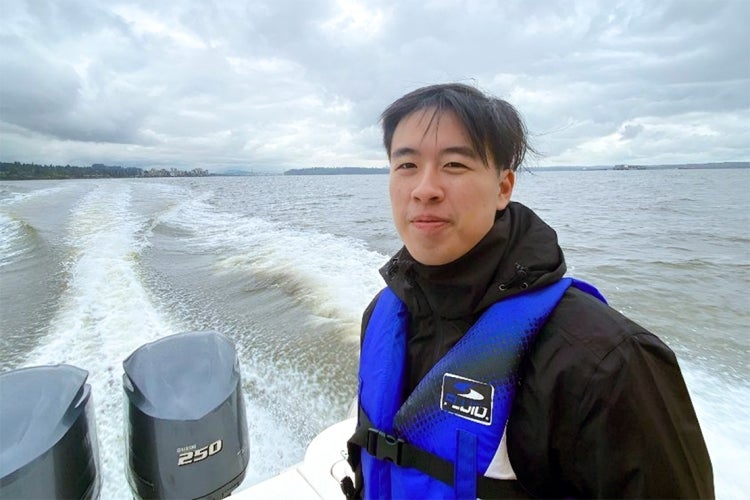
(48,445)
(187,433)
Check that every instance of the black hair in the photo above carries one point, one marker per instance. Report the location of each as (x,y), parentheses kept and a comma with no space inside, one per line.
(495,128)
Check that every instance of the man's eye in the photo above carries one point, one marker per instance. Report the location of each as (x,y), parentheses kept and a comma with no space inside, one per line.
(455,165)
(404,166)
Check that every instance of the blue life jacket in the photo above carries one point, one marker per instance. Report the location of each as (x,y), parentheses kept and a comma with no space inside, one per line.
(441,440)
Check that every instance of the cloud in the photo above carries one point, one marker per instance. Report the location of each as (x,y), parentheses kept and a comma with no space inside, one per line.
(631,131)
(280,84)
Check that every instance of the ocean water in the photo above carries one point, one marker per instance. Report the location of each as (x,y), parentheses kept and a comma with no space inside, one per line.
(92,269)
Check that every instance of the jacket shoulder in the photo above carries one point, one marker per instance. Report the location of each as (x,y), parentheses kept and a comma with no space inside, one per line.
(585,338)
(593,329)
(602,410)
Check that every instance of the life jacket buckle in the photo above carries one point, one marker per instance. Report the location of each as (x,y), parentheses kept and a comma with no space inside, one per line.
(384,446)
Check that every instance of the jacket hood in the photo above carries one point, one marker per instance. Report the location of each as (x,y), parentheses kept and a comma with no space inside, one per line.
(520,252)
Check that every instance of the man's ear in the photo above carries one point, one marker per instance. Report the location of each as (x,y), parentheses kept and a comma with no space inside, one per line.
(505,189)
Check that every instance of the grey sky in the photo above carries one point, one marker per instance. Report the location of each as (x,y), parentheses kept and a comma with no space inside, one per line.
(275,84)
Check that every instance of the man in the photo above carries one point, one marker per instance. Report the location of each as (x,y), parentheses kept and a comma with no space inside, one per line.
(484,372)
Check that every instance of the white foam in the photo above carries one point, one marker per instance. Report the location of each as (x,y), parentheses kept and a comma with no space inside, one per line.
(276,443)
(14,231)
(13,243)
(723,411)
(104,315)
(15,197)
(334,276)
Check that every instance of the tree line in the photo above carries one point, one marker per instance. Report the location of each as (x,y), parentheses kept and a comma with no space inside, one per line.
(29,171)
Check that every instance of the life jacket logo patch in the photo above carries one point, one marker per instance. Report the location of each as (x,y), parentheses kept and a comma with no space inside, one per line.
(466,398)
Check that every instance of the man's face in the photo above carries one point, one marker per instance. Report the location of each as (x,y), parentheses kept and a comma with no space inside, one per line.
(442,196)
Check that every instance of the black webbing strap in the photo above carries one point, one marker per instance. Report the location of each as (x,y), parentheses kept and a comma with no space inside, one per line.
(387,447)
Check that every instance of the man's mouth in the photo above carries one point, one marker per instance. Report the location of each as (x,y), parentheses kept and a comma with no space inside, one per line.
(428,221)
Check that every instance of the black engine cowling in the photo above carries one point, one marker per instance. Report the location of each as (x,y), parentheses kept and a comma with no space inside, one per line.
(48,444)
(185,417)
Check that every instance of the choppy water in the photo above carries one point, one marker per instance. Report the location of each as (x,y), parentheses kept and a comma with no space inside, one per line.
(92,269)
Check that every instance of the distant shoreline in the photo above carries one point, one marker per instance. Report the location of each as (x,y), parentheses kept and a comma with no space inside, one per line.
(30,171)
(676,166)
(337,171)
(17,171)
(681,166)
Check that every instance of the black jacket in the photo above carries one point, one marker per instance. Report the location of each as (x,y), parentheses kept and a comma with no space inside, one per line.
(601,410)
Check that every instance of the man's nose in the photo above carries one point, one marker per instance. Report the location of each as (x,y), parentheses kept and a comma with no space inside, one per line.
(429,186)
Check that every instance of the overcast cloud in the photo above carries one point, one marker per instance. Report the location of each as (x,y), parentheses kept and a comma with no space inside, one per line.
(274,84)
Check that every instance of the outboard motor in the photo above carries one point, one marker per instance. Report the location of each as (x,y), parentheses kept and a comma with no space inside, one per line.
(48,445)
(187,433)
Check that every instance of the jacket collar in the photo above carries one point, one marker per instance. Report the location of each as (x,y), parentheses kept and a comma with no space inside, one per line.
(519,252)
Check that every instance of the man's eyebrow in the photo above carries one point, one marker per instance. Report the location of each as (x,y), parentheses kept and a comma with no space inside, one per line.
(460,150)
(403,152)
